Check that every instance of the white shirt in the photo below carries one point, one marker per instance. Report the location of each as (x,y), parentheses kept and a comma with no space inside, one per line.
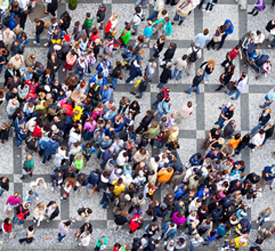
(257,139)
(242,84)
(258,39)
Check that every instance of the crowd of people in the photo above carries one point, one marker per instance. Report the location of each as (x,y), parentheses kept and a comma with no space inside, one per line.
(72,119)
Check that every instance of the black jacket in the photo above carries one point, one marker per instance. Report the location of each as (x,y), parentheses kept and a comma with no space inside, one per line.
(170,52)
(143,85)
(55,213)
(146,120)
(26,212)
(120,220)
(100,15)
(116,72)
(39,28)
(197,80)
(5,185)
(165,75)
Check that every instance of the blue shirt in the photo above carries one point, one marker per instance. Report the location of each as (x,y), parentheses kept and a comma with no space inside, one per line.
(229,30)
(201,39)
(271,95)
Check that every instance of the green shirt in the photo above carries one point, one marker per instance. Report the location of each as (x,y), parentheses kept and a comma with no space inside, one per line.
(29,164)
(153,132)
(88,22)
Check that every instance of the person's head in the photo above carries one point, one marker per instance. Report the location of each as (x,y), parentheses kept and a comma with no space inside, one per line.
(267,110)
(231,108)
(205,32)
(228,24)
(67,223)
(262,132)
(237,48)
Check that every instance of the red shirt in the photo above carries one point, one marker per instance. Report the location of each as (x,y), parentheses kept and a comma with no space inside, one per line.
(134,225)
(7,227)
(233,54)
(37,131)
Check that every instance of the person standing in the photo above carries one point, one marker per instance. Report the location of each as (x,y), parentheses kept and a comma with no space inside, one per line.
(7,228)
(50,148)
(209,67)
(182,10)
(263,235)
(158,7)
(263,217)
(28,167)
(196,241)
(196,81)
(52,211)
(201,38)
(185,111)
(180,66)
(257,140)
(264,117)
(21,213)
(165,75)
(229,30)
(227,113)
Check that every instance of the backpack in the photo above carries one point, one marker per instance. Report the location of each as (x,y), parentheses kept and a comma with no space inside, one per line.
(142,18)
(193,56)
(160,96)
(6,20)
(261,60)
(81,210)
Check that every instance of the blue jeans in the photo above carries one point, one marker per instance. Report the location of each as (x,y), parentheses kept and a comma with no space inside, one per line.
(2,191)
(177,17)
(266,104)
(143,4)
(190,89)
(262,221)
(201,3)
(273,43)
(192,248)
(175,73)
(257,127)
(114,82)
(20,222)
(155,14)
(222,41)
(88,136)
(238,93)
(46,158)
(61,237)
(80,74)
(105,203)
(160,85)
(156,52)
(155,103)
(252,146)
(38,39)
(54,184)
(221,121)
(207,77)
(18,141)
(160,144)
(129,79)
(99,153)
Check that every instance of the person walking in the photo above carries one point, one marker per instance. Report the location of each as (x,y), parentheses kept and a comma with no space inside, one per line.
(196,81)
(240,85)
(64,230)
(229,30)
(29,235)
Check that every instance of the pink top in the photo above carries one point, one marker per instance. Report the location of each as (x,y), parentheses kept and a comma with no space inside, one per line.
(186,111)
(178,221)
(13,201)
(89,126)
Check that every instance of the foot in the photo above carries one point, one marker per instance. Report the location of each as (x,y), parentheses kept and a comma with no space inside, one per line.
(34,220)
(259,228)
(138,97)
(208,11)
(34,42)
(61,198)
(261,106)
(133,93)
(48,221)
(46,44)
(134,34)
(270,188)
(63,69)
(269,46)
(203,9)
(216,123)
(188,73)
(22,177)
(52,188)
(233,98)
(180,22)
(185,92)
(206,82)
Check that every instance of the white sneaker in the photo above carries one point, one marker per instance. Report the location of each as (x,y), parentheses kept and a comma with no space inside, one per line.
(34,220)
(206,82)
(203,9)
(52,188)
(34,42)
(46,44)
(269,46)
(63,69)
(38,224)
(253,150)
(208,11)
(257,221)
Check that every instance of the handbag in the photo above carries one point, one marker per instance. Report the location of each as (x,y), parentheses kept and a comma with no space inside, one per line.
(114,31)
(221,79)
(231,86)
(21,216)
(108,26)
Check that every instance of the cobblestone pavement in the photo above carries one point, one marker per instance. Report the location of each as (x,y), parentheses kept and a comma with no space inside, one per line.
(192,132)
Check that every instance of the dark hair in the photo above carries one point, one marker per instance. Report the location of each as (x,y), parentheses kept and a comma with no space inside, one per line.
(31,228)
(6,221)
(67,223)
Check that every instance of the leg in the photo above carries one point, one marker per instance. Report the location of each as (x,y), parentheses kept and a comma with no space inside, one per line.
(155,103)
(257,127)
(237,94)
(174,73)
(155,14)
(160,85)
(179,75)
(190,89)
(198,89)
(231,92)
(222,41)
